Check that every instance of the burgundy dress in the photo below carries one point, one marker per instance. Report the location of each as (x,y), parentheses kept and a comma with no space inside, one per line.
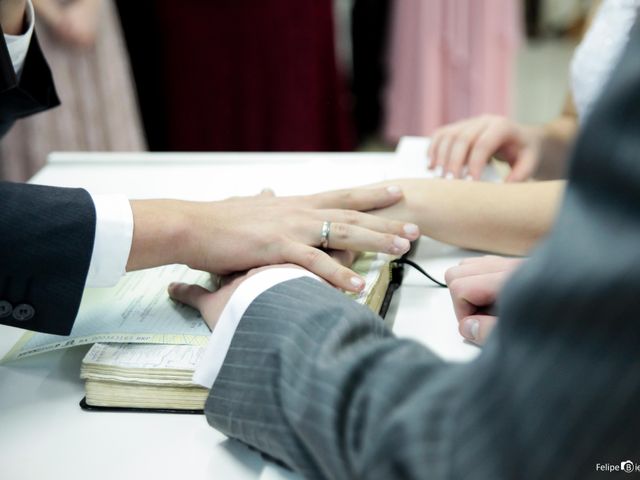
(254,75)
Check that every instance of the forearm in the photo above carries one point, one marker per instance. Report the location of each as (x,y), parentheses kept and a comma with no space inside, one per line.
(12,16)
(507,218)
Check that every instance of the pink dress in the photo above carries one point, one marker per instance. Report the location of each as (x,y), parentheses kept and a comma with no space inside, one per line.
(449,60)
(99,109)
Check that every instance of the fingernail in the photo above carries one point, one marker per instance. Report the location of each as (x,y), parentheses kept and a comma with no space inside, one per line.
(470,329)
(400,245)
(437,171)
(468,178)
(449,176)
(411,229)
(394,190)
(357,282)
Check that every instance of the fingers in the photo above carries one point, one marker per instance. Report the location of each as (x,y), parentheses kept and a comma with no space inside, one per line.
(361,199)
(352,237)
(474,294)
(477,328)
(524,168)
(323,265)
(192,295)
(409,231)
(469,145)
(481,266)
(463,143)
(496,135)
(344,257)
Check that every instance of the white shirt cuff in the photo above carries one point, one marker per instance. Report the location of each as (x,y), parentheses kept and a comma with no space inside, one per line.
(18,45)
(112,244)
(220,341)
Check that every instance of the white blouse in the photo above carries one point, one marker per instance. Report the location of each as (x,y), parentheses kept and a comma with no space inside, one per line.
(599,52)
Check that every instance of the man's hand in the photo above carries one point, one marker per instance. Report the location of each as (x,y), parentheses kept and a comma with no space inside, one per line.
(12,16)
(474,286)
(243,233)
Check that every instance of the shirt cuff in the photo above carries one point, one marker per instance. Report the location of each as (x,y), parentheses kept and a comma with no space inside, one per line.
(112,244)
(18,45)
(220,341)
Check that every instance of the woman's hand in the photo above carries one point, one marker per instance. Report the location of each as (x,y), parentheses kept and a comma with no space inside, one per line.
(474,286)
(464,148)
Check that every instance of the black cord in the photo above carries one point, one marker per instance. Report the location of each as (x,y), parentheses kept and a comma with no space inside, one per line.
(406,261)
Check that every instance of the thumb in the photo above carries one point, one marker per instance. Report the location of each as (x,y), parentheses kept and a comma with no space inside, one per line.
(192,295)
(477,328)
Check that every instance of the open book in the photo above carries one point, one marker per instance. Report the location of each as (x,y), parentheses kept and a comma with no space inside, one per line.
(158,377)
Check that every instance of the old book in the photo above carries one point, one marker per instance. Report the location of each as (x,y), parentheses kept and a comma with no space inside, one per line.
(159,377)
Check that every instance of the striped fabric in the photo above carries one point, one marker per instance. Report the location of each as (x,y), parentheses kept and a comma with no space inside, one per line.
(317,382)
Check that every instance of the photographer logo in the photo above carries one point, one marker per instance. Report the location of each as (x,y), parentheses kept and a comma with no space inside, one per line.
(627,466)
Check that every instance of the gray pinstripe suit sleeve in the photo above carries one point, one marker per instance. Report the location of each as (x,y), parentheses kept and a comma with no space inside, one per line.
(317,382)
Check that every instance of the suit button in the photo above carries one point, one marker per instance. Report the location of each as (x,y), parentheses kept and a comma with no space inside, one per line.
(6,309)
(23,312)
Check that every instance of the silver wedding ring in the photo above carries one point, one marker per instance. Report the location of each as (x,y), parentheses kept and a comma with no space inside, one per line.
(324,235)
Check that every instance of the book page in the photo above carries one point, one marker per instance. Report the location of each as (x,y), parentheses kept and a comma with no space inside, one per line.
(164,357)
(137,310)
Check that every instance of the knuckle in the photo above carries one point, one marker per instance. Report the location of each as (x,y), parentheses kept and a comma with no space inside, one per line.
(311,258)
(450,276)
(350,217)
(339,231)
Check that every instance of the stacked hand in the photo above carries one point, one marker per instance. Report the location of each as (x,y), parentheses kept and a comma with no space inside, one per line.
(464,148)
(474,286)
(244,233)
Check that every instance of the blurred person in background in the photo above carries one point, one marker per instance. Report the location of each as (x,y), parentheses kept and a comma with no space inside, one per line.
(464,148)
(83,42)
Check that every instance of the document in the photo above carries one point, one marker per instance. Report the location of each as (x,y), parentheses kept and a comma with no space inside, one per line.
(137,310)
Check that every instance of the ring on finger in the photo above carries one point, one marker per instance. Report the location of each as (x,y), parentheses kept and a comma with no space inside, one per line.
(324,235)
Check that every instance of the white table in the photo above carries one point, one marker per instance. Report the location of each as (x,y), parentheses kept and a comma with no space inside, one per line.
(43,432)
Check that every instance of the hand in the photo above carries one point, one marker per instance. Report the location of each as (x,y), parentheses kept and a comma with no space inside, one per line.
(12,16)
(474,286)
(471,143)
(75,23)
(243,233)
(211,304)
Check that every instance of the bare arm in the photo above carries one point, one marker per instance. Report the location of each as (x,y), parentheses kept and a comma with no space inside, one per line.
(507,218)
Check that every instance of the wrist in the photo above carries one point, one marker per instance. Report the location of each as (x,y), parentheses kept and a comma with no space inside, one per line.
(161,234)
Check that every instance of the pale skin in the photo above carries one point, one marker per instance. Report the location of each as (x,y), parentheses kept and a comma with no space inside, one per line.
(239,234)
(463,149)
(75,23)
(474,286)
(500,218)
(12,16)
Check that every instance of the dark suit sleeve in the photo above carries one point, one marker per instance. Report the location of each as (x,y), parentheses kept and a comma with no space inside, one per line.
(33,93)
(46,242)
(318,383)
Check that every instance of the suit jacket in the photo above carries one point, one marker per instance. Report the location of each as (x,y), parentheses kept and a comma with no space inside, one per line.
(46,234)
(316,381)
(33,93)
